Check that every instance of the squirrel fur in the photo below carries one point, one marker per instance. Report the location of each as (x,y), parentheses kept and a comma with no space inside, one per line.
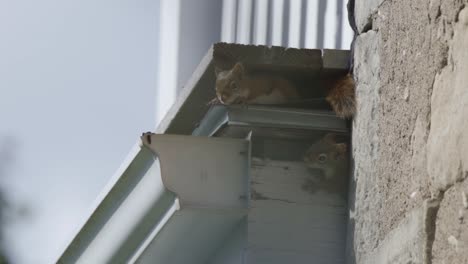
(341,96)
(236,86)
(329,156)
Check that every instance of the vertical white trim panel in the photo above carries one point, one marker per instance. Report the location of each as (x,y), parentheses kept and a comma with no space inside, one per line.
(331,25)
(169,30)
(244,15)
(311,30)
(228,27)
(261,22)
(294,36)
(277,22)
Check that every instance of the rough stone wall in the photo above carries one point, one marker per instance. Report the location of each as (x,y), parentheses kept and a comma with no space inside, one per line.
(410,134)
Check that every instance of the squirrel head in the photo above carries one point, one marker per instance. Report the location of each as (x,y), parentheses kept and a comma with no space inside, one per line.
(328,156)
(228,88)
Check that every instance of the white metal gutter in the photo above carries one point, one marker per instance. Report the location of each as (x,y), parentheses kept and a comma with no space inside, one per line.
(197,185)
(108,233)
(140,164)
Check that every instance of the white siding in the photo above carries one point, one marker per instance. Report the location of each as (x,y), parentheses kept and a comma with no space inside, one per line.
(276,28)
(168,56)
(244,25)
(346,31)
(311,21)
(291,23)
(331,24)
(261,22)
(294,28)
(229,19)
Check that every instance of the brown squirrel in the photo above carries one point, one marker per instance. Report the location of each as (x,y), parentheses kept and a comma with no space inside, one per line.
(341,96)
(328,156)
(235,86)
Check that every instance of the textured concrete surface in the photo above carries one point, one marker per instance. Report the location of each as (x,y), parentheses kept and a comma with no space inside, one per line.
(365,139)
(407,243)
(451,237)
(448,137)
(364,10)
(410,145)
(448,149)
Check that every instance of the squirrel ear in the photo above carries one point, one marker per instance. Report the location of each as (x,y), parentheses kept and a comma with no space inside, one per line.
(330,138)
(340,151)
(341,147)
(217,70)
(238,68)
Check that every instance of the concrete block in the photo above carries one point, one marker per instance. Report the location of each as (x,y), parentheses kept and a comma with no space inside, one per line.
(410,241)
(447,146)
(451,237)
(409,134)
(365,140)
(366,71)
(363,11)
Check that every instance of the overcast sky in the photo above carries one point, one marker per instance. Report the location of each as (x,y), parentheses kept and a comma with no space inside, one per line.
(77,82)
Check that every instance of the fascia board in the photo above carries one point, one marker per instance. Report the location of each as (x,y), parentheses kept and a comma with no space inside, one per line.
(250,117)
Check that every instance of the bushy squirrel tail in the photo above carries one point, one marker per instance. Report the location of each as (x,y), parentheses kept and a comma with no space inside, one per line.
(341,97)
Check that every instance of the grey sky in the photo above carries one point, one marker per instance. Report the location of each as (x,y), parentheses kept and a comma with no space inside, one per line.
(77,87)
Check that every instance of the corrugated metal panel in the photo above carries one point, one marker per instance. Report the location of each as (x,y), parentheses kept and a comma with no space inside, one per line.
(276,26)
(261,22)
(293,23)
(244,22)
(347,33)
(311,19)
(332,24)
(229,20)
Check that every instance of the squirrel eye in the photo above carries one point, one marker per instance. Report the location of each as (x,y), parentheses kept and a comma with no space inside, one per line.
(322,158)
(233,85)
